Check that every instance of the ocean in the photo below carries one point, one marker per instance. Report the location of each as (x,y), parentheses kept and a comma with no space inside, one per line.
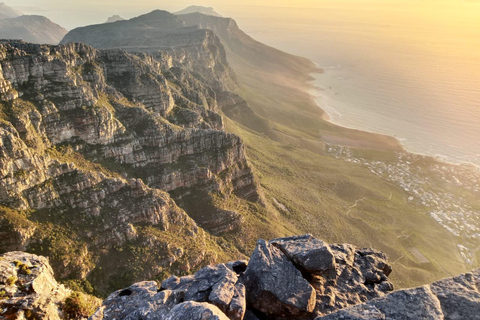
(408,69)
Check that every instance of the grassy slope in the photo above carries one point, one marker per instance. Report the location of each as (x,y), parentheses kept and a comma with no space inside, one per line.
(335,200)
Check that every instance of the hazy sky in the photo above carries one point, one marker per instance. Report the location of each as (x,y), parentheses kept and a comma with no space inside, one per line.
(73,13)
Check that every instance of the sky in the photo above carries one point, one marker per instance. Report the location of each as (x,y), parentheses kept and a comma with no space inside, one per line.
(74,13)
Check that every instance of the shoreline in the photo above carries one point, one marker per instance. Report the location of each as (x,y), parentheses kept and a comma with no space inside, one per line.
(312,88)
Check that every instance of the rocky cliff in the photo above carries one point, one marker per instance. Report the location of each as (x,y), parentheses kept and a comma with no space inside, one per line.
(28,288)
(158,32)
(92,140)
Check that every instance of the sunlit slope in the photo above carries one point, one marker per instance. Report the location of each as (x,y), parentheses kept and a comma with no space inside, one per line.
(333,199)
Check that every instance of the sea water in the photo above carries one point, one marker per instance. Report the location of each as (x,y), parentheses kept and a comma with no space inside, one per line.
(410,69)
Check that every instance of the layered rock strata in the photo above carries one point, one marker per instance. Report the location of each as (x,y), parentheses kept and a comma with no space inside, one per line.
(91,141)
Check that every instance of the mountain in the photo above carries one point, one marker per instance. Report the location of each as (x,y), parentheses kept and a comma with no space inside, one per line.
(348,178)
(101,148)
(239,45)
(35,29)
(161,147)
(199,9)
(7,12)
(114,18)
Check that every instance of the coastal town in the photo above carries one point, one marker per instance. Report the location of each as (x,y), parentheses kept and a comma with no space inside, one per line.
(424,181)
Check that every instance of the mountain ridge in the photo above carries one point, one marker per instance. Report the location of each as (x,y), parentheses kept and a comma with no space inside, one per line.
(138,143)
(7,12)
(31,28)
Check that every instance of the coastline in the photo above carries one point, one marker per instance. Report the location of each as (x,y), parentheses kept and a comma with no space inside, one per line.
(317,94)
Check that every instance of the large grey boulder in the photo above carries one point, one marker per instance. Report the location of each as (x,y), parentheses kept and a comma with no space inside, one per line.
(449,299)
(139,301)
(274,286)
(195,311)
(360,275)
(342,275)
(214,284)
(459,296)
(309,254)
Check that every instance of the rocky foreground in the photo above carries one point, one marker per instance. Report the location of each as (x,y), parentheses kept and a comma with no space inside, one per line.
(290,278)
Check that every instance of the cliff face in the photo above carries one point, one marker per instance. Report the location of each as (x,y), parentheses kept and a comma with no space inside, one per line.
(166,37)
(91,141)
(243,49)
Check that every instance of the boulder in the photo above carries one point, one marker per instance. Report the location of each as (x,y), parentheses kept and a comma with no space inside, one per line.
(274,286)
(238,305)
(28,288)
(196,311)
(139,301)
(310,255)
(214,284)
(448,299)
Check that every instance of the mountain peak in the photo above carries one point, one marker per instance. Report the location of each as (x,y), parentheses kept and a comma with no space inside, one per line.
(199,9)
(114,18)
(7,12)
(159,18)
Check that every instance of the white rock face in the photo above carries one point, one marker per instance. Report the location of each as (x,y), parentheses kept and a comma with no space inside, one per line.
(94,140)
(30,288)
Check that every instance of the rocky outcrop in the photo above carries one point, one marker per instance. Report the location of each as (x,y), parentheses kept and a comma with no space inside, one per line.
(292,296)
(449,299)
(246,290)
(91,141)
(272,285)
(199,9)
(114,18)
(28,289)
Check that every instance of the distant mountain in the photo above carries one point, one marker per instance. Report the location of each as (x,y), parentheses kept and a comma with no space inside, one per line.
(7,12)
(36,29)
(162,30)
(242,48)
(114,18)
(199,9)
(150,30)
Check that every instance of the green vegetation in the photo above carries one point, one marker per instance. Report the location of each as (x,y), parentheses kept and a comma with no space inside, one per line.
(22,267)
(80,306)
(308,191)
(11,281)
(80,285)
